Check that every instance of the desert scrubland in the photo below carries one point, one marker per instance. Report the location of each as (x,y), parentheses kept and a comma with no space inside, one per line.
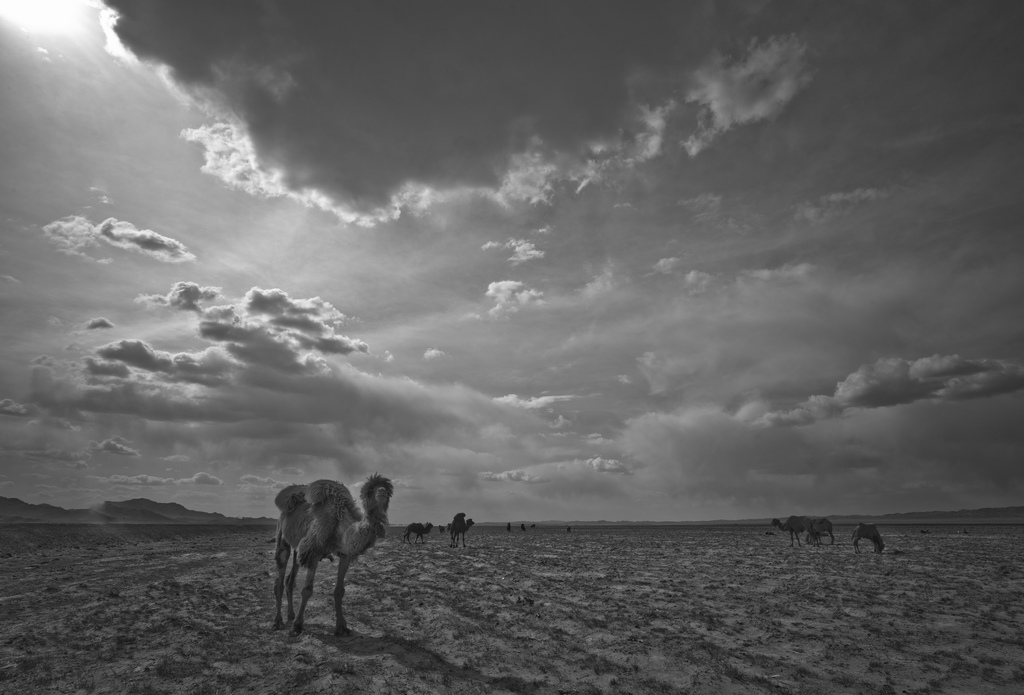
(725,609)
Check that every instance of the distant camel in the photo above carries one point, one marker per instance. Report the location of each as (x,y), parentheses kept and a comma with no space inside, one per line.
(822,526)
(321,519)
(441,529)
(797,525)
(460,524)
(522,526)
(869,532)
(533,525)
(508,527)
(419,530)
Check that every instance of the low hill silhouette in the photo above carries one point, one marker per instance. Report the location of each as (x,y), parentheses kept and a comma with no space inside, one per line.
(135,511)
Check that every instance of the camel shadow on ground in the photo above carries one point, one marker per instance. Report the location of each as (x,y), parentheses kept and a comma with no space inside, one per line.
(420,660)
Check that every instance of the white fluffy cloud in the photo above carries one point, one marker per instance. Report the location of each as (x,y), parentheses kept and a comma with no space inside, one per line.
(74,234)
(753,89)
(510,296)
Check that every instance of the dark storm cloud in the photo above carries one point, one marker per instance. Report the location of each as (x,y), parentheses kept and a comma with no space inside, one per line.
(359,99)
(97,367)
(137,353)
(100,322)
(209,367)
(183,295)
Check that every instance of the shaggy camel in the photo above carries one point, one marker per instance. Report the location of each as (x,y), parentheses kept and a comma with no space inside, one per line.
(797,525)
(822,526)
(419,529)
(460,524)
(321,519)
(868,532)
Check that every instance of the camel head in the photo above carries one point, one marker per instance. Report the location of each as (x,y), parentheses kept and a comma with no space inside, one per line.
(376,493)
(469,522)
(776,522)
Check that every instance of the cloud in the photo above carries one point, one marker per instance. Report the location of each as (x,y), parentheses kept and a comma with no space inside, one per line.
(696,281)
(9,407)
(77,458)
(11,279)
(514,476)
(496,103)
(147,480)
(74,234)
(603,465)
(176,458)
(891,381)
(531,403)
(510,296)
(755,89)
(799,271)
(183,295)
(433,354)
(834,204)
(523,250)
(93,324)
(667,266)
(114,445)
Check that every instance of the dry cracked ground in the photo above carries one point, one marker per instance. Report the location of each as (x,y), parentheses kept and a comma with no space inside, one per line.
(143,609)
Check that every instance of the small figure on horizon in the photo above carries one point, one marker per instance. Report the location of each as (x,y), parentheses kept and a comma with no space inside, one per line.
(522,526)
(508,527)
(568,529)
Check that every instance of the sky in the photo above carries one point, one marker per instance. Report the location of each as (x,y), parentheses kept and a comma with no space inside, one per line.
(580,260)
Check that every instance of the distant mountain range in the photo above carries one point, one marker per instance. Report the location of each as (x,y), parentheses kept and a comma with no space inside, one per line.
(137,511)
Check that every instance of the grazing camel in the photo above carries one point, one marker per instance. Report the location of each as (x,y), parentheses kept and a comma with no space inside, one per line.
(321,519)
(419,529)
(797,525)
(869,532)
(441,529)
(522,526)
(822,526)
(460,524)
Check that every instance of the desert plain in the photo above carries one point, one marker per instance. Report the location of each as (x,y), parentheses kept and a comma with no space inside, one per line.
(716,609)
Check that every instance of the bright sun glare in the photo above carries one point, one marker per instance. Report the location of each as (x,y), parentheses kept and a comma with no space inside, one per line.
(45,16)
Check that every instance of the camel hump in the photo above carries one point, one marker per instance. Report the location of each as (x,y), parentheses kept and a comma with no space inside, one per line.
(460,516)
(321,491)
(290,498)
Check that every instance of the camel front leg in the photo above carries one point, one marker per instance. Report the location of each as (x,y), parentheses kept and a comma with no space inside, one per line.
(281,558)
(290,585)
(856,548)
(340,627)
(307,591)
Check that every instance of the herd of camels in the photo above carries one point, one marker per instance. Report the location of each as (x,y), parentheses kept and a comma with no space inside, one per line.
(322,520)
(815,528)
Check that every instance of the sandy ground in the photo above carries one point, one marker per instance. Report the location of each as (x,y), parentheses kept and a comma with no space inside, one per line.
(600,610)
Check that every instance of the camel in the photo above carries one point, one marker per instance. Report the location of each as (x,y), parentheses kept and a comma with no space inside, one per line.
(522,526)
(869,532)
(822,526)
(441,529)
(419,529)
(797,525)
(320,520)
(460,524)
